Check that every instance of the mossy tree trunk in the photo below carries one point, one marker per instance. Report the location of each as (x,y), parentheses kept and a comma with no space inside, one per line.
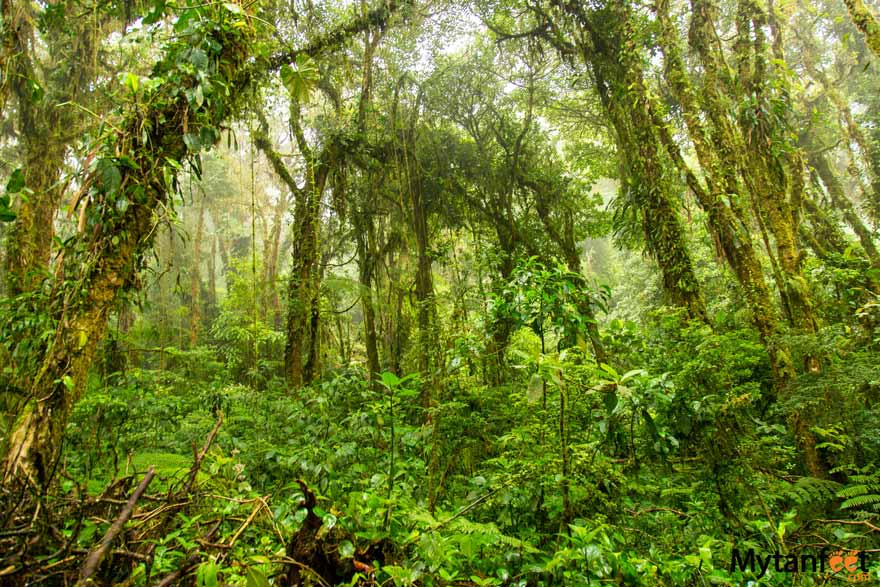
(866,22)
(366,262)
(46,123)
(771,169)
(134,164)
(195,288)
(721,186)
(775,172)
(647,183)
(819,161)
(271,299)
(108,255)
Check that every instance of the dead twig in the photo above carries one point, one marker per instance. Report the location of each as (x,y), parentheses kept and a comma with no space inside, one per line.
(94,560)
(172,577)
(197,464)
(864,523)
(257,507)
(119,552)
(679,513)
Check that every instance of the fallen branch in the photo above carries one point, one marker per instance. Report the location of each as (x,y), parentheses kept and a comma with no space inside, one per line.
(197,464)
(864,523)
(94,560)
(172,577)
(119,552)
(257,507)
(679,513)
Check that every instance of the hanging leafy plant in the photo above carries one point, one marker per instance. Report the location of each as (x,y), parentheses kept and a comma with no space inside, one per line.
(13,186)
(300,77)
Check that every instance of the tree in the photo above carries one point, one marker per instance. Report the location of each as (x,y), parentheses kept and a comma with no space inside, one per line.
(866,22)
(131,175)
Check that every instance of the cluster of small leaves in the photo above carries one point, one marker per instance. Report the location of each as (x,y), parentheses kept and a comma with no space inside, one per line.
(14,185)
(538,295)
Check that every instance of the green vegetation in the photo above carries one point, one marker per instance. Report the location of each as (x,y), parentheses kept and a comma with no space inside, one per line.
(439,294)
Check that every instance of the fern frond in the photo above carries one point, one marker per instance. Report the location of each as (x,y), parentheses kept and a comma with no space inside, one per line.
(812,490)
(858,501)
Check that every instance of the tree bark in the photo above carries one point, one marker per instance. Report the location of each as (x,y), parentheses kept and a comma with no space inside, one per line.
(195,288)
(819,161)
(366,262)
(303,310)
(734,239)
(271,299)
(646,183)
(866,22)
(110,252)
(107,261)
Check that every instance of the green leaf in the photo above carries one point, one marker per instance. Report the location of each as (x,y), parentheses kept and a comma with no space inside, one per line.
(535,388)
(199,59)
(256,578)
(198,96)
(299,77)
(156,13)
(206,576)
(111,177)
(131,82)
(184,18)
(630,374)
(346,549)
(390,379)
(16,182)
(193,141)
(610,370)
(36,91)
(207,136)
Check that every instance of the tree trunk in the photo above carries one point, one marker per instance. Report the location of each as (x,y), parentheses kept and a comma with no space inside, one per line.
(211,301)
(819,161)
(646,183)
(302,350)
(195,314)
(366,262)
(109,255)
(64,68)
(303,316)
(424,288)
(865,22)
(272,301)
(734,239)
(775,180)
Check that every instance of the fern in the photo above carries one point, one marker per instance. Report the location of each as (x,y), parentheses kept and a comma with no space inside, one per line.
(862,491)
(480,533)
(813,491)
(861,500)
(487,534)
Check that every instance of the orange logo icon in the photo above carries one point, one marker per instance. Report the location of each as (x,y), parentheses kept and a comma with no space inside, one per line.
(852,564)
